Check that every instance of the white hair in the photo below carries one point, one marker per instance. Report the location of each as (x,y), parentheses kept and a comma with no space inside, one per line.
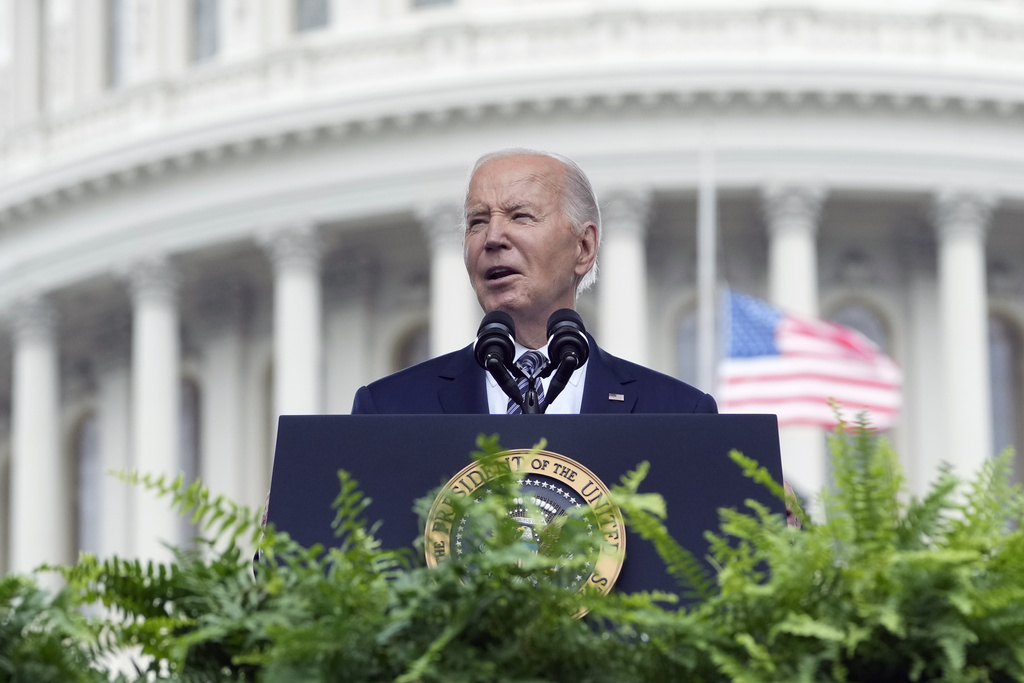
(579,203)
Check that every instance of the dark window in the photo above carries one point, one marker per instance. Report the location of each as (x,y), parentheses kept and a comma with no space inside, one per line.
(413,348)
(188,458)
(686,369)
(864,320)
(311,15)
(1006,374)
(204,29)
(90,470)
(115,43)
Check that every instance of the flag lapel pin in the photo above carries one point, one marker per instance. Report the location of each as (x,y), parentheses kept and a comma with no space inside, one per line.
(616,397)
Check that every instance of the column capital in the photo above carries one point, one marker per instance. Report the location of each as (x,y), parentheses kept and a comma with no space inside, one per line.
(32,318)
(792,207)
(153,279)
(625,211)
(443,222)
(296,245)
(962,213)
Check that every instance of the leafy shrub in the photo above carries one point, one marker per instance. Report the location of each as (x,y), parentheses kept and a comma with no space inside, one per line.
(887,588)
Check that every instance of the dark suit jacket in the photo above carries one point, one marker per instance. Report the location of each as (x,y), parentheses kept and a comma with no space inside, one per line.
(454,383)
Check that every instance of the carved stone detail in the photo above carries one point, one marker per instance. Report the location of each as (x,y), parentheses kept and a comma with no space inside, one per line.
(626,212)
(32,318)
(296,246)
(962,214)
(153,279)
(443,222)
(792,207)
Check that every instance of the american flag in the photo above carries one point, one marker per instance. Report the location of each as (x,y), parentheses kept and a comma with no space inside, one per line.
(793,367)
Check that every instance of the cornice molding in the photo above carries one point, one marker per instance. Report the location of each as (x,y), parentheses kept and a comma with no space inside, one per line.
(385,80)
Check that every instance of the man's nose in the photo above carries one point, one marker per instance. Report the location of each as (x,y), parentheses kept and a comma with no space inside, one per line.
(496,236)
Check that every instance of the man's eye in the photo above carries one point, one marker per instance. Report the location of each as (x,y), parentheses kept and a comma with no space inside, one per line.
(521,216)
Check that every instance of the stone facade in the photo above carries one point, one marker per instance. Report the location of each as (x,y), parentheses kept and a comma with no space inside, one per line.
(212,216)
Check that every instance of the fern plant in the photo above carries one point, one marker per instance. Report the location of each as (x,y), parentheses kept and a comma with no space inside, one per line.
(887,588)
(884,590)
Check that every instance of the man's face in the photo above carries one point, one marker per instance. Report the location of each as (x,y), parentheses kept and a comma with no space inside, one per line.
(521,251)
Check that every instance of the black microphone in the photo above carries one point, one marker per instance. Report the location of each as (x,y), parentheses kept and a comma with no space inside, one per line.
(568,349)
(495,351)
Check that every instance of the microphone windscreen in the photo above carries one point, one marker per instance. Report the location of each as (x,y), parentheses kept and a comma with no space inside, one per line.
(565,317)
(495,338)
(566,336)
(497,318)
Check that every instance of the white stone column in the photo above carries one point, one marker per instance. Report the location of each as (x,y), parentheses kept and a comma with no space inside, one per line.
(791,216)
(91,45)
(115,447)
(298,328)
(39,501)
(454,313)
(622,285)
(156,389)
(173,36)
(278,22)
(26,69)
(961,220)
(222,466)
(59,63)
(144,26)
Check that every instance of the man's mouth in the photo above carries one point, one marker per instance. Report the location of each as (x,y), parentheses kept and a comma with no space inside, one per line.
(499,272)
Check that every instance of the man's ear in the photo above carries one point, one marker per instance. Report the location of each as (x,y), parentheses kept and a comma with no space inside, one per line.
(587,250)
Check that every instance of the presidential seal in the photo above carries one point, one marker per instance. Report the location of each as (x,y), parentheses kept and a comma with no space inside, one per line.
(551,487)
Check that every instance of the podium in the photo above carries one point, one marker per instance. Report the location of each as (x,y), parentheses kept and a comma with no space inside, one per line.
(398,458)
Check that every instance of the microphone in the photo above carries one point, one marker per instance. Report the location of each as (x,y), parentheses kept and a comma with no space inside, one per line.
(568,348)
(496,352)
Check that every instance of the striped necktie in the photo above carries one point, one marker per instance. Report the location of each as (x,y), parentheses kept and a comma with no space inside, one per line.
(529,362)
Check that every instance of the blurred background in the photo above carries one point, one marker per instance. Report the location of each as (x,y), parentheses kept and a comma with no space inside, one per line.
(213,212)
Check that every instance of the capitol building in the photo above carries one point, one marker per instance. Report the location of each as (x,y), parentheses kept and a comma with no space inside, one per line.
(214,212)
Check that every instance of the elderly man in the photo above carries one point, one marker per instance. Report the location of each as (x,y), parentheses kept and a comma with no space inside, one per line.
(533,229)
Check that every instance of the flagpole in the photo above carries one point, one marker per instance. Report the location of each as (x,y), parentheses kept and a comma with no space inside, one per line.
(707,359)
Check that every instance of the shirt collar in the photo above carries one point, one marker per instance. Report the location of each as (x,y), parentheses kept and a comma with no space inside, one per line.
(574,379)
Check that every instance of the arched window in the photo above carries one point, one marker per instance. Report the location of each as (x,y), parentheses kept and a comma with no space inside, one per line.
(865,321)
(89,470)
(1005,370)
(686,356)
(413,348)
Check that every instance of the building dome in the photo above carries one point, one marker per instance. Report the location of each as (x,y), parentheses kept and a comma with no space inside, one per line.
(217,211)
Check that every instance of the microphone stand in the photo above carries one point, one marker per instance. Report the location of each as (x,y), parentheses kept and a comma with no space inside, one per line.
(504,379)
(565,369)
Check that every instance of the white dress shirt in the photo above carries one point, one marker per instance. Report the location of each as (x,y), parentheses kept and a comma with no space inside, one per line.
(566,403)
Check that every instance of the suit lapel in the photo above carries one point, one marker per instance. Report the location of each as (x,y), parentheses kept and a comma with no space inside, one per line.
(605,383)
(463,385)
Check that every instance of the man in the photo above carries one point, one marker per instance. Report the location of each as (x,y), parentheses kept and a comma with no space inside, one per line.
(533,229)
